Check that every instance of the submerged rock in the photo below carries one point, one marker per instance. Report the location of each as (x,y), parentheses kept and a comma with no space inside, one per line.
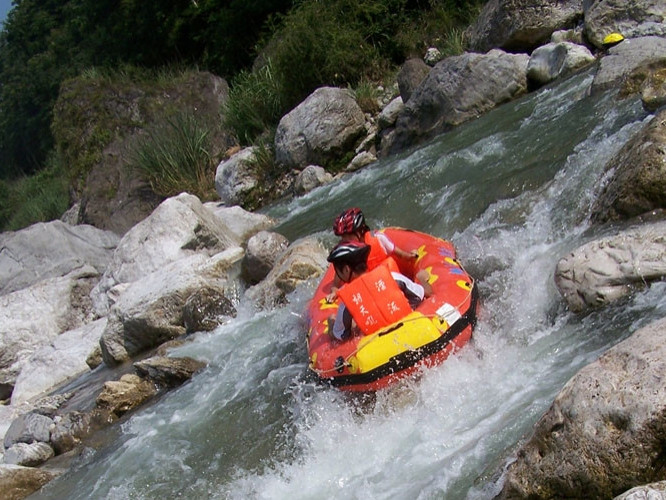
(125,394)
(168,372)
(206,309)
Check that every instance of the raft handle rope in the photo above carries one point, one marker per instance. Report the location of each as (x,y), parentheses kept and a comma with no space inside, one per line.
(342,363)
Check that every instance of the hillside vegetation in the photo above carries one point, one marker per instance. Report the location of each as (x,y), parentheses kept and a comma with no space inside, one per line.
(272,52)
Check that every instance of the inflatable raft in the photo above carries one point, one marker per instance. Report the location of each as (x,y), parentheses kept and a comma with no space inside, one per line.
(426,336)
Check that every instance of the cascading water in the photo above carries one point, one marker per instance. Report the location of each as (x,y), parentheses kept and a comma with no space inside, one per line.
(512,190)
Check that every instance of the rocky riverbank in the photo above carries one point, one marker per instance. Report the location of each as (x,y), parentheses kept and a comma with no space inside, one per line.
(76,297)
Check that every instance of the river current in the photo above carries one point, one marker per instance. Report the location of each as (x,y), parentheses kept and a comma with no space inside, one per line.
(513,191)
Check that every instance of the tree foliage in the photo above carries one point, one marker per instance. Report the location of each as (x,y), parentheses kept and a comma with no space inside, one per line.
(45,42)
(311,43)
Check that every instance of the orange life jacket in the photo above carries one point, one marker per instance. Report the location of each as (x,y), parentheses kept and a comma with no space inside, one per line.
(374,300)
(377,253)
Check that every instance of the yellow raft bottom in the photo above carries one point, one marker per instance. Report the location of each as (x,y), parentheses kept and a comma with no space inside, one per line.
(410,333)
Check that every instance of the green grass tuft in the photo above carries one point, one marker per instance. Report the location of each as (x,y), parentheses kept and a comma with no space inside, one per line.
(255,104)
(174,156)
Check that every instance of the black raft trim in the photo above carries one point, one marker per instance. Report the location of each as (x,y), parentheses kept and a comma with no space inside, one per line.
(408,359)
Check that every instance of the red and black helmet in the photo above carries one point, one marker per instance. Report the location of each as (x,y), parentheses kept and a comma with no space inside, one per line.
(349,221)
(349,252)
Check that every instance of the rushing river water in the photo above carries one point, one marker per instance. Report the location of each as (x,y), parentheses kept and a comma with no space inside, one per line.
(513,191)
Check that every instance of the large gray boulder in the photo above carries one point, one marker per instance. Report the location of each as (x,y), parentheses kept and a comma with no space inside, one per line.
(33,317)
(625,57)
(411,75)
(310,178)
(320,130)
(458,89)
(50,250)
(149,312)
(178,228)
(521,25)
(638,181)
(243,224)
(61,359)
(29,455)
(29,428)
(237,177)
(652,491)
(263,250)
(610,268)
(557,60)
(304,260)
(605,431)
(631,18)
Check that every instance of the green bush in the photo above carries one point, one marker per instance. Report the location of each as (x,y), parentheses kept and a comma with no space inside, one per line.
(346,42)
(326,44)
(174,156)
(38,198)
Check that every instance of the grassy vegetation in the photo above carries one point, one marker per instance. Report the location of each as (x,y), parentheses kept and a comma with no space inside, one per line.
(307,44)
(255,104)
(38,198)
(175,156)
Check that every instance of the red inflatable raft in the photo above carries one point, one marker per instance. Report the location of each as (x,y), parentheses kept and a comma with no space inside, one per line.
(441,324)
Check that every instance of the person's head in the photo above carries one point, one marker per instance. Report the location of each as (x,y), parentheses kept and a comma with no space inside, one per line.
(350,223)
(349,258)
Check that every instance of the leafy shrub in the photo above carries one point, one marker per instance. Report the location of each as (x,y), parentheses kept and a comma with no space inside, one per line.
(321,44)
(174,156)
(442,25)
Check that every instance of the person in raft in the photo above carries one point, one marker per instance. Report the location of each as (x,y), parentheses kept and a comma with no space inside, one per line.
(371,299)
(350,226)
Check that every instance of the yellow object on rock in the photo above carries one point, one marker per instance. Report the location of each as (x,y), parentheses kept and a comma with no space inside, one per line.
(613,39)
